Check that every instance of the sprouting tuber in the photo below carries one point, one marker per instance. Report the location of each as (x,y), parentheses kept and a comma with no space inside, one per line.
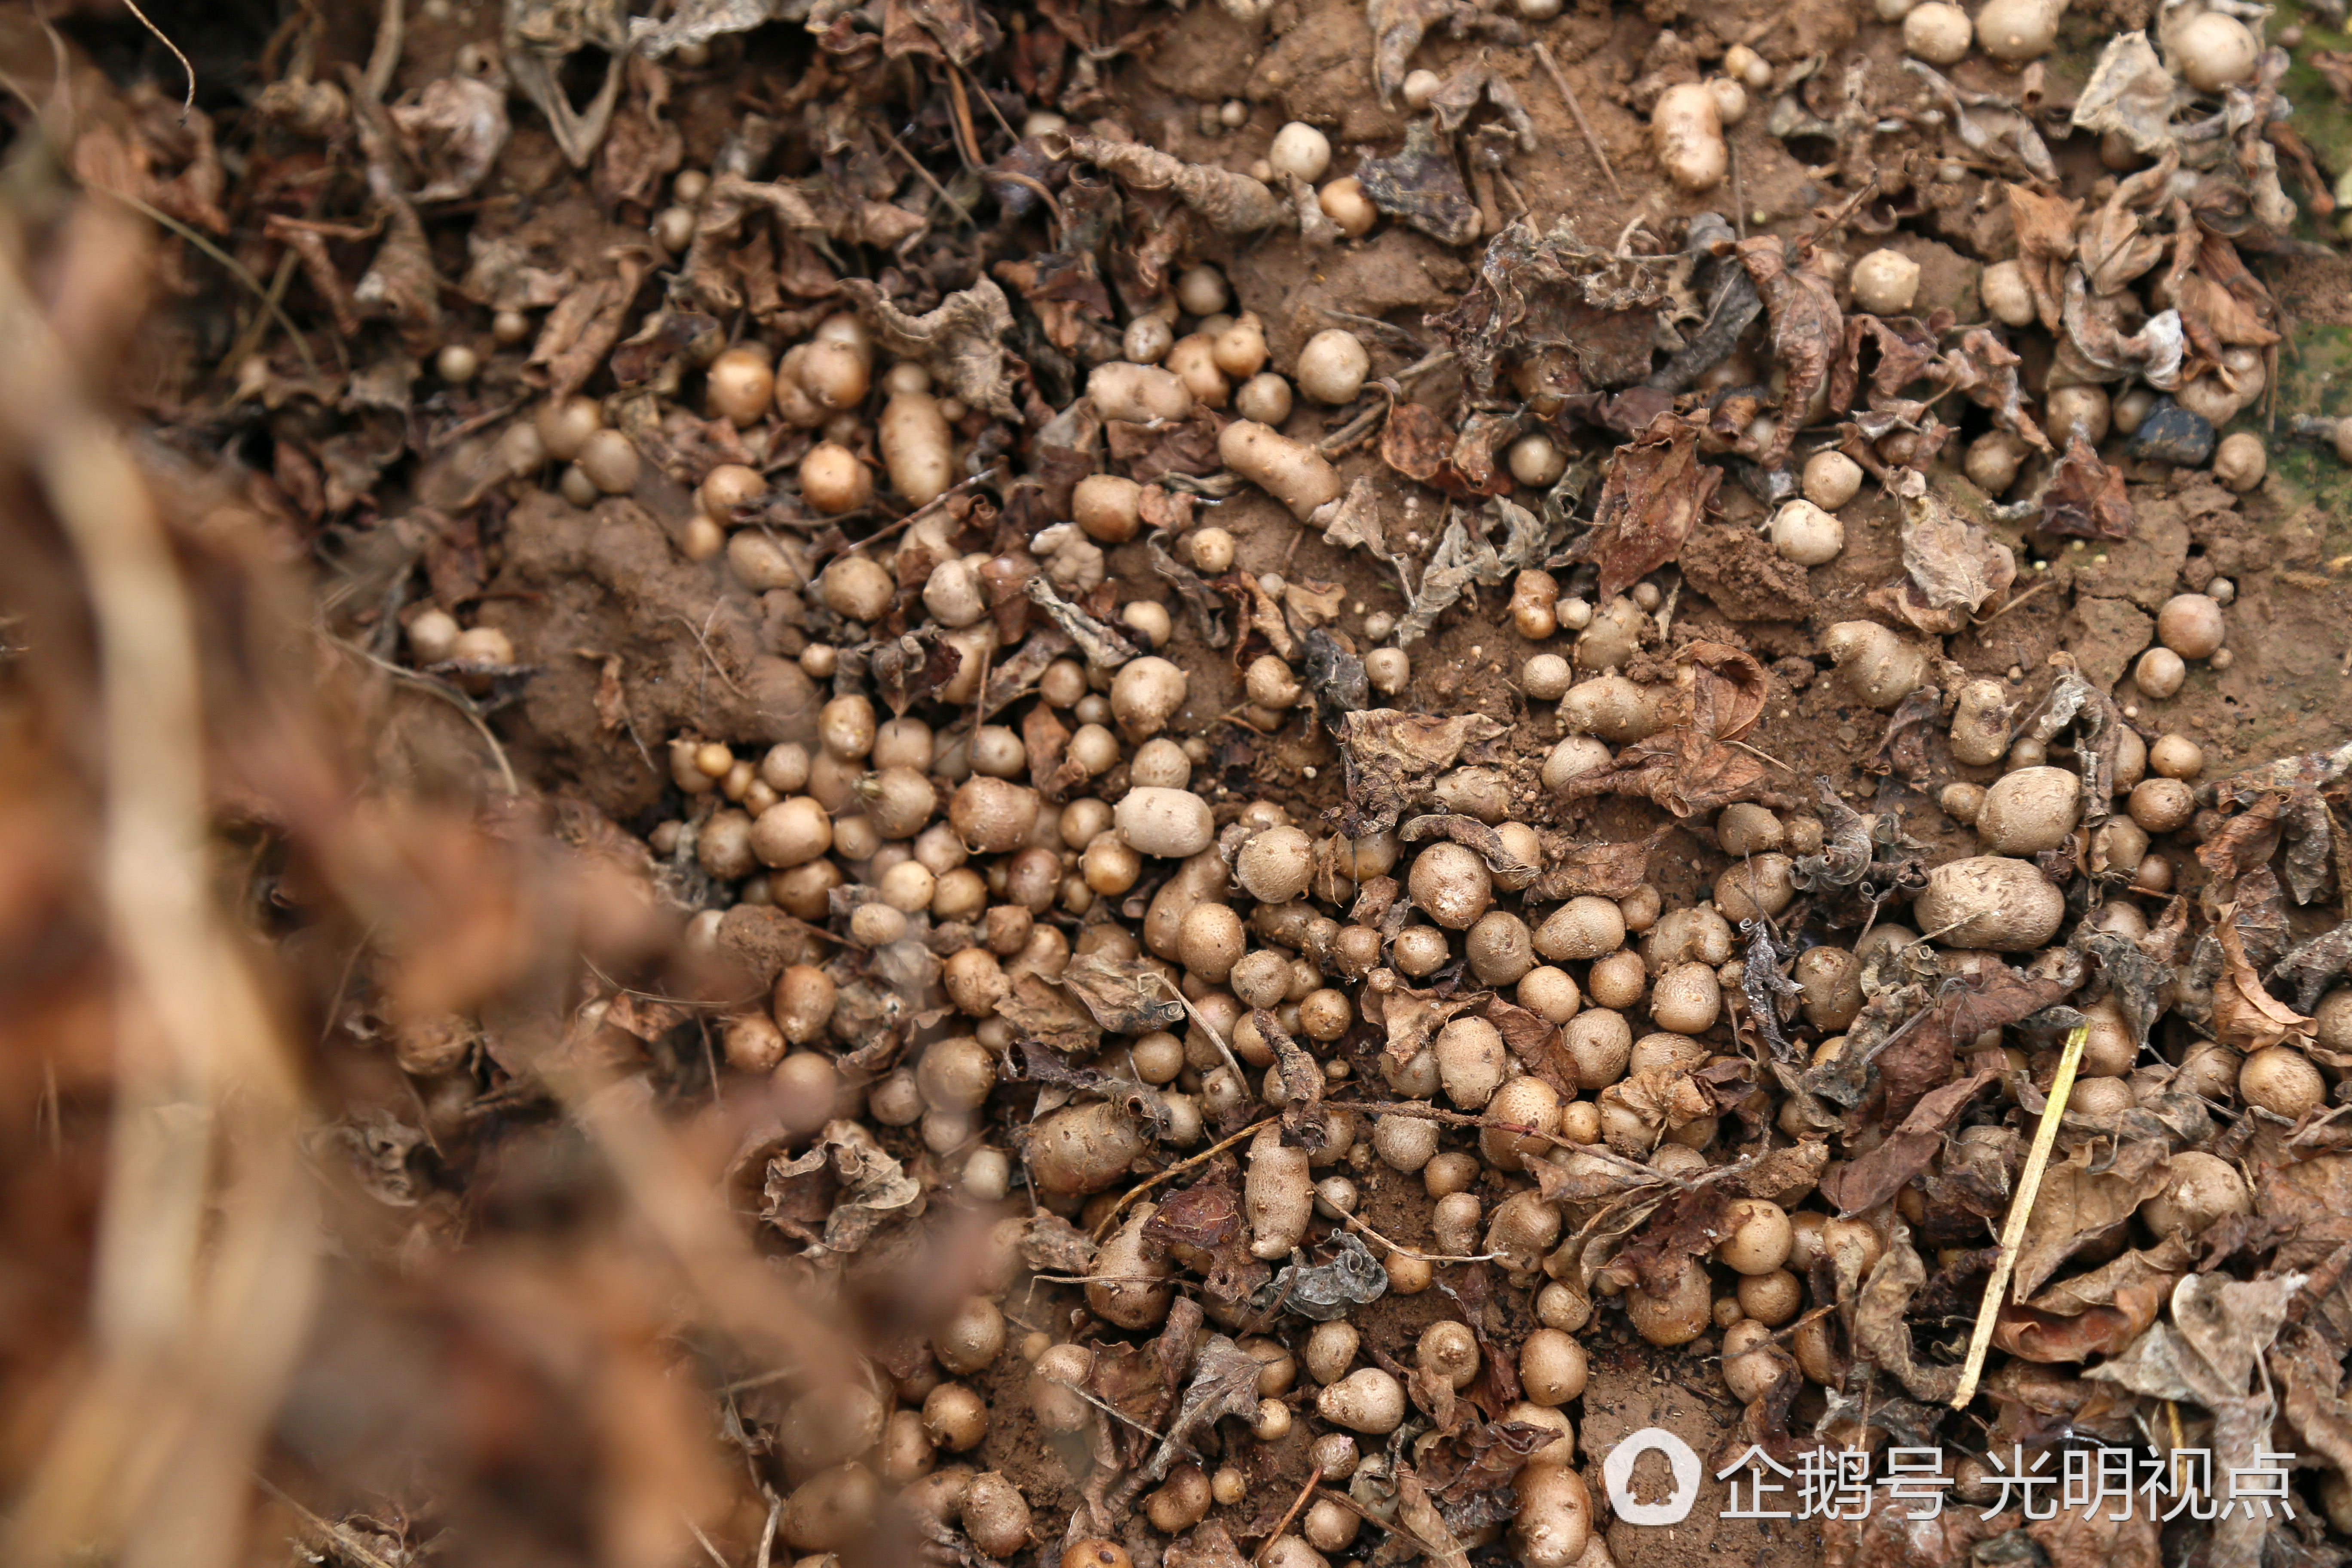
(1278,1194)
(1291,471)
(1367,1400)
(1880,666)
(1687,133)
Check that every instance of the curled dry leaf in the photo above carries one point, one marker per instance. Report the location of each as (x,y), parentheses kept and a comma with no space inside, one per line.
(1808,331)
(1694,763)
(960,341)
(1869,1179)
(1471,834)
(2245,1014)
(1556,300)
(2086,498)
(874,1187)
(1393,758)
(1399,25)
(1234,204)
(2131,95)
(2045,244)
(1322,1292)
(2097,1313)
(1126,995)
(1038,1011)
(2076,1207)
(1656,492)
(1103,649)
(1224,1382)
(456,127)
(697,22)
(1882,1324)
(1951,566)
(1422,185)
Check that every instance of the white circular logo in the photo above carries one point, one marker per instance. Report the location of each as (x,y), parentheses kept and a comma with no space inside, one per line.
(1617,1472)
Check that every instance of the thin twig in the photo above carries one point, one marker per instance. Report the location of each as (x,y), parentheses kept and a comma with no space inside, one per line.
(2020,1210)
(922,173)
(1207,1027)
(1110,1410)
(925,510)
(1576,108)
(2017,601)
(1355,1223)
(450,694)
(236,269)
(703,643)
(767,1533)
(1314,1478)
(1177,1169)
(188,104)
(332,1535)
(707,1546)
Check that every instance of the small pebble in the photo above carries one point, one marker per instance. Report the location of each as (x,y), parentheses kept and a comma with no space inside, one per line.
(2171,434)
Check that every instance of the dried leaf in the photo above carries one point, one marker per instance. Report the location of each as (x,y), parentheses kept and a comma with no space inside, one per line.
(874,1188)
(1052,1245)
(1954,564)
(697,22)
(1611,868)
(1038,1011)
(1807,331)
(1234,204)
(2075,1208)
(1471,834)
(2045,244)
(2086,498)
(1882,1324)
(2097,1313)
(959,341)
(2131,95)
(1393,758)
(1554,299)
(1126,995)
(1322,1292)
(1656,492)
(1869,1179)
(1103,649)
(455,125)
(2246,1016)
(1422,185)
(1224,1382)
(1691,766)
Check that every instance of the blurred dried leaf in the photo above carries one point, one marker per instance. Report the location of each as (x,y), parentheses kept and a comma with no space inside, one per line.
(456,125)
(874,1187)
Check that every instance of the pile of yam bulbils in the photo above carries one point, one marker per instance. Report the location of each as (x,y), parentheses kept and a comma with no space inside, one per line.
(928,852)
